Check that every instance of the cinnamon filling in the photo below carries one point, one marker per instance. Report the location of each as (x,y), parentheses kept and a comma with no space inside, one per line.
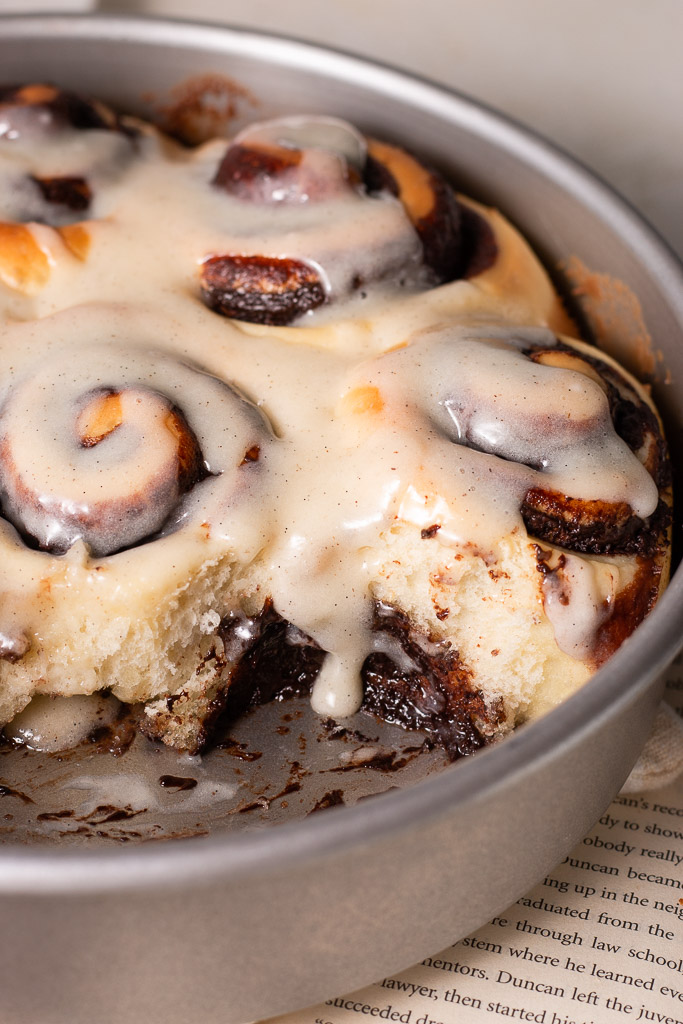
(430,691)
(260,289)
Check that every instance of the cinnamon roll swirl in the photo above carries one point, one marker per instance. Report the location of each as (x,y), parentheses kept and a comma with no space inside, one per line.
(382,212)
(112,458)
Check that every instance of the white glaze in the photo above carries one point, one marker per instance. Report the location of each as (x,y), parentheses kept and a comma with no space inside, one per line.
(59,491)
(578,596)
(136,792)
(59,723)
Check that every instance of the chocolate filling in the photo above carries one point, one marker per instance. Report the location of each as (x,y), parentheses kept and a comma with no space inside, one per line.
(178,782)
(593,527)
(280,662)
(457,242)
(260,289)
(335,798)
(72,192)
(243,167)
(479,243)
(630,608)
(434,694)
(440,230)
(600,527)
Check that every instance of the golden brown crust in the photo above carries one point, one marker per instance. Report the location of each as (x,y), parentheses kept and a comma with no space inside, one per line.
(24,267)
(429,202)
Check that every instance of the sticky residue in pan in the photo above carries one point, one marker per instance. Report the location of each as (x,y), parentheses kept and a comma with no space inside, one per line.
(279,762)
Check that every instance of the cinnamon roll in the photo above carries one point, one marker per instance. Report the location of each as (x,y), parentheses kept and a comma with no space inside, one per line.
(60,154)
(41,130)
(522,604)
(387,473)
(365,211)
(125,474)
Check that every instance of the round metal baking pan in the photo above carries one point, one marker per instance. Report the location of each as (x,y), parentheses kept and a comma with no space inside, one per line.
(246,923)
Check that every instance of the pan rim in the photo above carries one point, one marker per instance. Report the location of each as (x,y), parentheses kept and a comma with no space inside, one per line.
(200,861)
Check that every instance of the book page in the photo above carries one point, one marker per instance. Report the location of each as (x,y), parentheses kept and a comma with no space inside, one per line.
(599,940)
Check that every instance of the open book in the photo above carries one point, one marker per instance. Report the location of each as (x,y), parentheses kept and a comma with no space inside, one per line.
(599,940)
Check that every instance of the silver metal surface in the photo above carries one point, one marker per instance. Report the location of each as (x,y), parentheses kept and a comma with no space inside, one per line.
(252,921)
